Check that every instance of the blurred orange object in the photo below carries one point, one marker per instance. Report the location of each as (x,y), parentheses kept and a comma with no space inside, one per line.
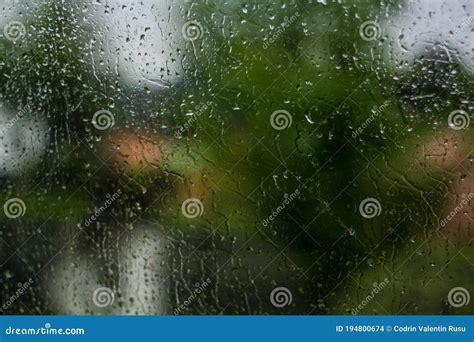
(135,151)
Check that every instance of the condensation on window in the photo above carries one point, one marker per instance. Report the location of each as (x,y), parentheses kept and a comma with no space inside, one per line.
(236,157)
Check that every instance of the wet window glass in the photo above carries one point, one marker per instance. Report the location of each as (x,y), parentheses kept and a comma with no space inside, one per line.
(236,157)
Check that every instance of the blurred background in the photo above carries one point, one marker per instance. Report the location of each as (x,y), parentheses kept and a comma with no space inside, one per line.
(236,157)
